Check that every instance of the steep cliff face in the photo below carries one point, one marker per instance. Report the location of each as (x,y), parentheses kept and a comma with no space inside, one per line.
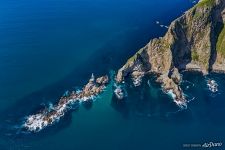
(195,41)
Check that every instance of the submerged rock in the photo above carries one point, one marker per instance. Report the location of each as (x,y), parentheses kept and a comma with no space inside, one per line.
(212,85)
(137,77)
(102,80)
(119,93)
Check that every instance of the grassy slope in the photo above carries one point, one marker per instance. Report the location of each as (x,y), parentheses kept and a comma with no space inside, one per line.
(206,3)
(220,45)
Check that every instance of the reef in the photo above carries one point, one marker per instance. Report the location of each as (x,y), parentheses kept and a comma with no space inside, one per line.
(48,117)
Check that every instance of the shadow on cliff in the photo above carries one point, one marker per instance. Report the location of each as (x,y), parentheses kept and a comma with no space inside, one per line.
(181,49)
(216,29)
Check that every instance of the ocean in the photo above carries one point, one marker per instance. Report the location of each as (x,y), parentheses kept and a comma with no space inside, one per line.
(50,46)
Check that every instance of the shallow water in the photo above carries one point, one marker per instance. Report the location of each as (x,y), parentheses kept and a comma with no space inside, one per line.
(48,47)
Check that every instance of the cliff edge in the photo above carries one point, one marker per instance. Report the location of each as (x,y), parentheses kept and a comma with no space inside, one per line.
(195,41)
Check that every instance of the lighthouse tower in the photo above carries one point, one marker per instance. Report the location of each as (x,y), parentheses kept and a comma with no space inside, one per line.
(92,79)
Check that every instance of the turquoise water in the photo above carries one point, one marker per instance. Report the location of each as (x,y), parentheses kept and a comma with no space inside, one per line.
(50,46)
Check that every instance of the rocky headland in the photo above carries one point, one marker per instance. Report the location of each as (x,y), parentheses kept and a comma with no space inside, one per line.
(47,116)
(195,41)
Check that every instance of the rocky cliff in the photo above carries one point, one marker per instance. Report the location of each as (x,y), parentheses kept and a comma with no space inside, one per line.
(195,41)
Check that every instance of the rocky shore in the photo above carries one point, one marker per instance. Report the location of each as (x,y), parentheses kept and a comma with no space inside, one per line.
(47,117)
(195,41)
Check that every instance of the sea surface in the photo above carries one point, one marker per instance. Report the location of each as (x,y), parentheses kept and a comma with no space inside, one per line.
(50,46)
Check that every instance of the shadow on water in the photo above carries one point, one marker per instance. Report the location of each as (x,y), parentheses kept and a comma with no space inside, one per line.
(120,106)
(207,107)
(88,104)
(147,100)
(107,57)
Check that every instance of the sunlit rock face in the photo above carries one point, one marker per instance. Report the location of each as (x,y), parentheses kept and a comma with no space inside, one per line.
(195,41)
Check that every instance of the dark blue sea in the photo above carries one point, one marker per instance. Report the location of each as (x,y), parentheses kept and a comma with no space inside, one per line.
(50,46)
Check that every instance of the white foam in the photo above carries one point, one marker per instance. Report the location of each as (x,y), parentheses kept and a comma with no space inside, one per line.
(137,80)
(171,94)
(120,91)
(39,121)
(180,103)
(212,86)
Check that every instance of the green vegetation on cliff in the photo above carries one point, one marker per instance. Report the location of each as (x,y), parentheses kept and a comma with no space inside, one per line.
(220,45)
(190,39)
(194,56)
(203,4)
(135,56)
(207,3)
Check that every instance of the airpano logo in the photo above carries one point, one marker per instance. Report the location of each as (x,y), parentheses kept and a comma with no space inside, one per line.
(212,144)
(206,145)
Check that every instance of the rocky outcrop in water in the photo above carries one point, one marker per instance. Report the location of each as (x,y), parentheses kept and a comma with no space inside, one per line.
(47,117)
(195,41)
